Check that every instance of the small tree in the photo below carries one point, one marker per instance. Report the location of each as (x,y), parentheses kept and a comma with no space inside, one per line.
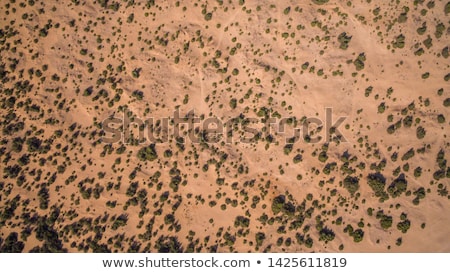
(386,221)
(147,153)
(259,238)
(351,183)
(420,132)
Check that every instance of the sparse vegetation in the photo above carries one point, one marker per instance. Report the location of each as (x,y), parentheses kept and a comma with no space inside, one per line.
(146,126)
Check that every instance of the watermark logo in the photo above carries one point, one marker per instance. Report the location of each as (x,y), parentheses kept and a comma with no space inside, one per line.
(130,129)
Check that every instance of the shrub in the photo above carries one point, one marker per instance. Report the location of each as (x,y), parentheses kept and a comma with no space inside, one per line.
(136,73)
(428,42)
(278,203)
(381,108)
(288,149)
(386,221)
(233,103)
(359,62)
(259,238)
(320,2)
(344,40)
(409,154)
(445,52)
(132,189)
(399,41)
(305,66)
(446,102)
(407,122)
(417,172)
(147,153)
(377,182)
(17,144)
(241,221)
(358,235)
(402,17)
(297,158)
(168,244)
(391,129)
(439,174)
(43,198)
(11,244)
(326,235)
(440,28)
(220,181)
(34,144)
(88,91)
(130,18)
(139,95)
(368,91)
(404,226)
(398,186)
(323,156)
(351,183)
(420,132)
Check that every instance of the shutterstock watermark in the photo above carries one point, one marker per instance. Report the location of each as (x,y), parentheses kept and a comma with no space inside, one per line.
(131,129)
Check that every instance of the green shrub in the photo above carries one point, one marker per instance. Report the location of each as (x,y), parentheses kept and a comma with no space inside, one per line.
(259,238)
(323,156)
(398,186)
(381,108)
(359,62)
(420,132)
(417,172)
(241,221)
(399,41)
(233,103)
(402,17)
(428,42)
(136,73)
(358,235)
(391,129)
(408,121)
(326,235)
(440,28)
(320,2)
(344,40)
(386,221)
(305,66)
(351,183)
(287,149)
(409,154)
(278,204)
(377,182)
(297,158)
(404,226)
(147,153)
(446,102)
(421,30)
(445,52)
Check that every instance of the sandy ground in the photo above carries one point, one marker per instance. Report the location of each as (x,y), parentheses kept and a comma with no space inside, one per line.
(254,53)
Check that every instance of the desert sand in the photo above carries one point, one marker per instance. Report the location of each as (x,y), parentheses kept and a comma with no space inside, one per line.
(375,182)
